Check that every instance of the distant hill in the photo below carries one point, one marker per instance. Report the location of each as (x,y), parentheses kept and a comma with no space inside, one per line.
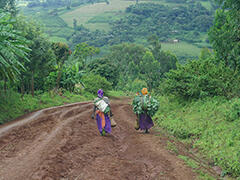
(104,23)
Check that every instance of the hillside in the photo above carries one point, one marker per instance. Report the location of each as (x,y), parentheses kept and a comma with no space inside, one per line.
(104,24)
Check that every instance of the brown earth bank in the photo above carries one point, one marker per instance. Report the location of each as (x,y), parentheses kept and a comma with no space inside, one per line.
(64,143)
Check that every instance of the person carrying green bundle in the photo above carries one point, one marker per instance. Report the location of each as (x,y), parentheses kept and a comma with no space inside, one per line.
(144,106)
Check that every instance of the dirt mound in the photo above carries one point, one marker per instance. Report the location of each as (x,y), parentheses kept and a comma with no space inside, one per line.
(63,143)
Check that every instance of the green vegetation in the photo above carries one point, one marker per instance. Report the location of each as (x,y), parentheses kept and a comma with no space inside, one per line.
(199,99)
(85,14)
(183,50)
(12,48)
(209,124)
(105,23)
(13,105)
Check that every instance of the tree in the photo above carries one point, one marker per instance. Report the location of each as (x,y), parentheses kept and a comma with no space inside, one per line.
(62,52)
(106,68)
(166,59)
(225,33)
(83,51)
(8,5)
(13,47)
(41,58)
(150,70)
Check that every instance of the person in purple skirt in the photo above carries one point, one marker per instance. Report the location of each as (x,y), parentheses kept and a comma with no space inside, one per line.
(101,109)
(145,121)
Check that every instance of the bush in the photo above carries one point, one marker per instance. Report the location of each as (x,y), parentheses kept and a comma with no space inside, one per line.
(93,82)
(136,85)
(202,78)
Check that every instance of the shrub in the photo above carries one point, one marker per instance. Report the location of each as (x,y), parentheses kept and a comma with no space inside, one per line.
(93,82)
(202,78)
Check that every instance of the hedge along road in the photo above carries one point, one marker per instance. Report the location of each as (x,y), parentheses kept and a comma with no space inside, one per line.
(64,143)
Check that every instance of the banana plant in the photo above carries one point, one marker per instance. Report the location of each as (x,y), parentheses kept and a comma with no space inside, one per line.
(13,48)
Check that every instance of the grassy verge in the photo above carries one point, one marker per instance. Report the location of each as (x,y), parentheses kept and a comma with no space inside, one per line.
(210,125)
(13,106)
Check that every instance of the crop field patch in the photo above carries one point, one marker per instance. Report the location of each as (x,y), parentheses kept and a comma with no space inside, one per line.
(85,13)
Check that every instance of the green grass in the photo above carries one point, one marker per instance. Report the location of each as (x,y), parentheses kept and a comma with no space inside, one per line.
(13,106)
(212,125)
(117,93)
(53,25)
(191,163)
(206,4)
(182,49)
(85,13)
(97,16)
(57,39)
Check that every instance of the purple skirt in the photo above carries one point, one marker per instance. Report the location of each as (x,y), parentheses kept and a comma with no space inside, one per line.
(107,127)
(145,121)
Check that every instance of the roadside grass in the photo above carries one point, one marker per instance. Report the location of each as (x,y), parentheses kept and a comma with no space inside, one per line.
(13,106)
(211,125)
(196,168)
(116,93)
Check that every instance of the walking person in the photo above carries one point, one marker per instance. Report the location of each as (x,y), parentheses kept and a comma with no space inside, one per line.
(101,110)
(144,106)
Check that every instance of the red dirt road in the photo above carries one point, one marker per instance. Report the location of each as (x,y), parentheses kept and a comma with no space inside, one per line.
(63,143)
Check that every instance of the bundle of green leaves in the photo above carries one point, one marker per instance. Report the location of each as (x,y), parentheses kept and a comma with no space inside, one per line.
(145,103)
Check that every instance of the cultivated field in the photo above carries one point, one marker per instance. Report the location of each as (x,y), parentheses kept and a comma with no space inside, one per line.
(182,49)
(103,12)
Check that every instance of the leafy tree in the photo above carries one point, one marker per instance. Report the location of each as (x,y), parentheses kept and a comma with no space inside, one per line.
(62,52)
(166,59)
(41,58)
(150,70)
(225,33)
(8,5)
(93,82)
(201,78)
(83,51)
(106,68)
(127,58)
(13,47)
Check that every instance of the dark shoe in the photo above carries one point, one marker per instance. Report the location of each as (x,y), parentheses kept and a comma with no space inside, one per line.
(146,131)
(137,128)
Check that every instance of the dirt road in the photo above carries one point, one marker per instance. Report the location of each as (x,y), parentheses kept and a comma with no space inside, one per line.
(63,143)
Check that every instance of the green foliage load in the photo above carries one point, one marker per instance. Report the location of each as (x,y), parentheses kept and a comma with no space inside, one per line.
(145,103)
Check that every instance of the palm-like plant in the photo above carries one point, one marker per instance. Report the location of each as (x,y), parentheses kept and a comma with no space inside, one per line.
(13,49)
